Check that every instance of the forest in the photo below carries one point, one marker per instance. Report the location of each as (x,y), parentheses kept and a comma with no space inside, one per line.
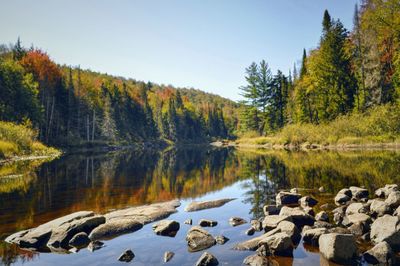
(348,85)
(346,88)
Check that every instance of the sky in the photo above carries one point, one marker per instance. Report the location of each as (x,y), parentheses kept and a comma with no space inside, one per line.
(203,44)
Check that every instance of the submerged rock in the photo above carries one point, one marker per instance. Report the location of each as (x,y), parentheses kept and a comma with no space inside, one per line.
(221,239)
(207,259)
(114,228)
(127,256)
(235,221)
(196,206)
(198,239)
(166,228)
(188,221)
(207,223)
(168,255)
(339,248)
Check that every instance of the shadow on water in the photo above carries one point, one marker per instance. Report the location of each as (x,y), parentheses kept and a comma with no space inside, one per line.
(35,192)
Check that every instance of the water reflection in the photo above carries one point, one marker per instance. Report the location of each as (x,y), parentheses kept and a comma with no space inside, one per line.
(32,193)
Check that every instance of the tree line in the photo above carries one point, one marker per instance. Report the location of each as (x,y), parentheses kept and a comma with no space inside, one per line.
(348,72)
(70,106)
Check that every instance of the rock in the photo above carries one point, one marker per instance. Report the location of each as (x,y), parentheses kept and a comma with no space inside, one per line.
(279,244)
(256,224)
(393,200)
(132,219)
(235,221)
(385,191)
(299,217)
(95,245)
(166,228)
(359,229)
(127,256)
(307,201)
(188,221)
(339,248)
(291,230)
(207,259)
(341,210)
(250,231)
(321,189)
(379,208)
(38,237)
(322,216)
(343,196)
(366,237)
(199,239)
(309,211)
(79,240)
(253,244)
(115,228)
(168,256)
(271,210)
(356,207)
(381,253)
(397,211)
(271,221)
(338,218)
(62,235)
(359,193)
(256,260)
(323,224)
(294,190)
(202,205)
(340,230)
(263,251)
(286,198)
(207,223)
(311,236)
(221,239)
(386,228)
(356,218)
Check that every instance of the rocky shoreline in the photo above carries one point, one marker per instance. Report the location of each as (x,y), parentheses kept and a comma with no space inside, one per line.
(360,230)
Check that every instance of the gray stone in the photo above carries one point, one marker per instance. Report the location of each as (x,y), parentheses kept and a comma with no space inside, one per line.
(322,216)
(298,216)
(256,224)
(61,235)
(311,236)
(256,260)
(397,211)
(95,245)
(342,197)
(207,259)
(393,200)
(252,244)
(307,201)
(166,228)
(356,218)
(381,253)
(338,248)
(359,229)
(309,211)
(271,221)
(271,209)
(386,228)
(114,228)
(202,205)
(379,208)
(356,207)
(250,231)
(359,193)
(235,221)
(221,239)
(207,223)
(79,240)
(279,244)
(291,230)
(198,239)
(287,198)
(127,256)
(188,221)
(385,191)
(168,255)
(294,190)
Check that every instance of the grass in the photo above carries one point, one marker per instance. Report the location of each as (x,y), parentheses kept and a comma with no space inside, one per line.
(21,140)
(379,125)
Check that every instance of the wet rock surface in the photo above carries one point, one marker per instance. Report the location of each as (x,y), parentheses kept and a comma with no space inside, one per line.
(198,239)
(166,228)
(127,256)
(202,205)
(207,259)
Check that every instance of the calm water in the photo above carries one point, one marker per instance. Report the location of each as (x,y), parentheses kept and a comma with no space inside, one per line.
(32,193)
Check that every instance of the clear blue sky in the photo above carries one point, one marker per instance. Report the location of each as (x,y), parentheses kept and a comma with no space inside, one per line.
(203,44)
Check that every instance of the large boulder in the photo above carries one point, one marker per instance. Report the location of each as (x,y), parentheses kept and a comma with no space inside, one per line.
(270,222)
(202,205)
(291,230)
(114,228)
(380,254)
(166,228)
(385,191)
(298,216)
(339,248)
(198,239)
(207,259)
(307,201)
(386,228)
(393,200)
(252,244)
(38,237)
(287,198)
(311,236)
(379,208)
(279,244)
